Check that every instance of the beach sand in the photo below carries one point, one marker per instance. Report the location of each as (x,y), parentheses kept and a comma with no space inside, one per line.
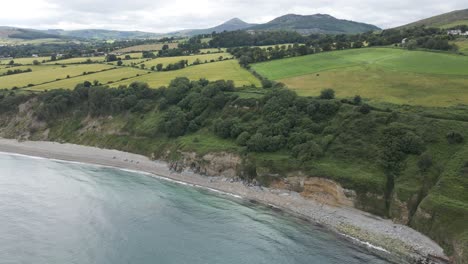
(377,234)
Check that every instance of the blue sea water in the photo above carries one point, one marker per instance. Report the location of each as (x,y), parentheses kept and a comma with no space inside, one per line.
(57,212)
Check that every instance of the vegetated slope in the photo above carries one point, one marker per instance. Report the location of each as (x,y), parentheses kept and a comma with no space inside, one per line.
(231,25)
(103,34)
(454,18)
(407,163)
(380,74)
(26,34)
(229,69)
(318,23)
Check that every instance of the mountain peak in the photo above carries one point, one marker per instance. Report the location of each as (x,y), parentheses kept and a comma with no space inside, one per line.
(235,21)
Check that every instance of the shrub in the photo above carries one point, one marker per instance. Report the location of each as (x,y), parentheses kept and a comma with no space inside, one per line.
(365,109)
(454,138)
(327,94)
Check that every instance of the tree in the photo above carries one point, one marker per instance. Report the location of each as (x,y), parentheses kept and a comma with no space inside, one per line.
(425,162)
(454,137)
(175,122)
(159,66)
(128,57)
(111,57)
(327,94)
(11,62)
(53,57)
(119,62)
(357,100)
(365,109)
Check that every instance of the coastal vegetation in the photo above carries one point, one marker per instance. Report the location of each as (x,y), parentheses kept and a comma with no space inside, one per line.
(407,164)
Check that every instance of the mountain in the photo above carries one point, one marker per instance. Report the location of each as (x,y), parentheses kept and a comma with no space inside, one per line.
(103,34)
(26,34)
(454,18)
(230,25)
(318,23)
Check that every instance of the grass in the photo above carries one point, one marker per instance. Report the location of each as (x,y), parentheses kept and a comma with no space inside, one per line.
(105,77)
(130,62)
(227,70)
(25,60)
(462,45)
(78,60)
(212,50)
(168,60)
(147,47)
(42,74)
(381,74)
(454,24)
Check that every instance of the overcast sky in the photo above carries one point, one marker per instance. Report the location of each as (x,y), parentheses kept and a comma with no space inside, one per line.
(170,15)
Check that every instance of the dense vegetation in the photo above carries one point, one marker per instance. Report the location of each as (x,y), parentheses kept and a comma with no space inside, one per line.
(388,156)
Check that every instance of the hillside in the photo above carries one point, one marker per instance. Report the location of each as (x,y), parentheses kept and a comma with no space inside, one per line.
(231,25)
(26,34)
(454,18)
(103,34)
(406,163)
(318,23)
(379,74)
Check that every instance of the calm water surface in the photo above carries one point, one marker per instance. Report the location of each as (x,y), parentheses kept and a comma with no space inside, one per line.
(55,212)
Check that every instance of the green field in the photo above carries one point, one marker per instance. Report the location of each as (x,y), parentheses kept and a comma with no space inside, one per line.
(103,77)
(454,24)
(48,73)
(203,57)
(462,45)
(77,60)
(25,60)
(130,62)
(227,70)
(381,74)
(147,47)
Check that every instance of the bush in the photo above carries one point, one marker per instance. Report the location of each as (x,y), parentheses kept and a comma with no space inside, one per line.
(425,162)
(327,94)
(243,138)
(454,138)
(364,109)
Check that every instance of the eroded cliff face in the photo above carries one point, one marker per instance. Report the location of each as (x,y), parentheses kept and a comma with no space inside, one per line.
(23,125)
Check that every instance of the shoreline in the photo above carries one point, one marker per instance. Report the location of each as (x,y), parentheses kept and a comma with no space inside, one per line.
(373,232)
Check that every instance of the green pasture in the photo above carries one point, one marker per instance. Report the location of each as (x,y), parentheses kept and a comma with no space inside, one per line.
(105,77)
(24,60)
(147,47)
(454,24)
(48,73)
(381,74)
(227,70)
(202,57)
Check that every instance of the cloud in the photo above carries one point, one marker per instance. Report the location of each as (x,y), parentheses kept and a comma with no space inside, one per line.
(165,16)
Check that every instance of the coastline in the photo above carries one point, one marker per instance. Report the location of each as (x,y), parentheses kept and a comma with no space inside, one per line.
(357,226)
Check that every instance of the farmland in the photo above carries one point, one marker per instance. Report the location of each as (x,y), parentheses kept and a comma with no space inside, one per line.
(103,77)
(43,74)
(202,58)
(380,74)
(227,70)
(462,45)
(25,60)
(148,47)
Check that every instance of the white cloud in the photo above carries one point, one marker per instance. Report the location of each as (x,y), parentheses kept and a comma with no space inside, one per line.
(165,16)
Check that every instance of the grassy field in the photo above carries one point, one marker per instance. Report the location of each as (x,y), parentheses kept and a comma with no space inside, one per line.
(227,70)
(25,60)
(103,77)
(129,62)
(147,47)
(380,74)
(42,74)
(462,45)
(77,60)
(203,57)
(454,24)
(213,50)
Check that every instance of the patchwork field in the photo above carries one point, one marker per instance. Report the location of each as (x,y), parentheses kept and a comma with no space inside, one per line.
(203,57)
(380,74)
(48,73)
(25,60)
(105,77)
(147,47)
(462,45)
(227,70)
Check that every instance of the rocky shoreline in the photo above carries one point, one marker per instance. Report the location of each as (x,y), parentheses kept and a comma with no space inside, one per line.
(380,235)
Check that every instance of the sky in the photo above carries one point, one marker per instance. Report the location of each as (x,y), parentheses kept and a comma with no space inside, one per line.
(170,15)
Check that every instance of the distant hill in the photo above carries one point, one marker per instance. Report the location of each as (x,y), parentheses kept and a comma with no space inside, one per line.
(230,25)
(318,23)
(454,18)
(103,34)
(26,34)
